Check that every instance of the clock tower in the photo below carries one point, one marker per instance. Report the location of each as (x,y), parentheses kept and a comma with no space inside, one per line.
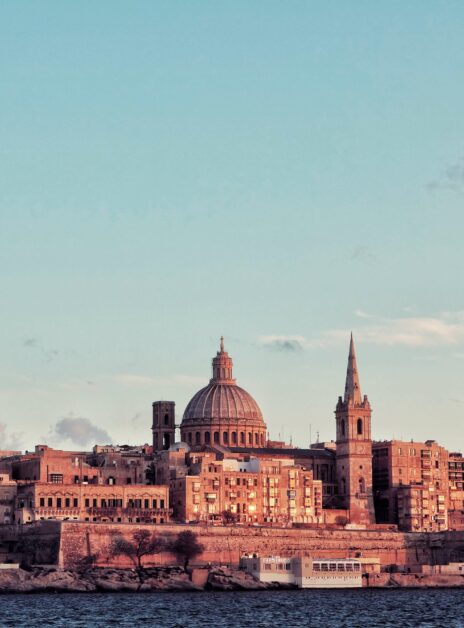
(354,447)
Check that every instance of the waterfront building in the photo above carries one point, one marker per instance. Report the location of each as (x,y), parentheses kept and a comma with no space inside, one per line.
(81,501)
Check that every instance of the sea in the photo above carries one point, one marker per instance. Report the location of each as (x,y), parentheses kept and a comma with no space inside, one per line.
(286,609)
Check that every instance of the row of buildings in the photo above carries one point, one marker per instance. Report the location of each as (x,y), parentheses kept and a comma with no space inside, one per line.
(225,469)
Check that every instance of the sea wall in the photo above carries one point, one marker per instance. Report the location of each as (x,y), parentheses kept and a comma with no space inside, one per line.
(69,544)
(225,545)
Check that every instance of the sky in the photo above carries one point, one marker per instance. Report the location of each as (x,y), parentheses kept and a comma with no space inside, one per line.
(279,173)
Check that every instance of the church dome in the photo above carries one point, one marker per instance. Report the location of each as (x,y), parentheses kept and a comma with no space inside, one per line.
(222,412)
(222,401)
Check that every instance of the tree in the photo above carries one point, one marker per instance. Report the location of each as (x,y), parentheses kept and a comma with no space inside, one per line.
(228,517)
(186,546)
(150,473)
(143,543)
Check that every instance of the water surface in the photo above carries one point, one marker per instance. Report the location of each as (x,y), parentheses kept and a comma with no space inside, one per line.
(286,609)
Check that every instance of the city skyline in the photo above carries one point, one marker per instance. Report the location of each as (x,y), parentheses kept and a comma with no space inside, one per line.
(172,173)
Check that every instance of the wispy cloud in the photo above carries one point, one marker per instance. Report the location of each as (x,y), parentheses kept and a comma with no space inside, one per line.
(452,178)
(442,330)
(289,344)
(361,253)
(33,344)
(9,440)
(80,431)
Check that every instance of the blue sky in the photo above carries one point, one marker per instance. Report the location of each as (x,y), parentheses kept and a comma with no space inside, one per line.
(280,173)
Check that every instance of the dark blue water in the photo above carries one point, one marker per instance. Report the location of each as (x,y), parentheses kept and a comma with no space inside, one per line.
(286,609)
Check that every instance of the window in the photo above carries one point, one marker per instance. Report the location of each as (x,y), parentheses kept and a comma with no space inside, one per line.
(42,502)
(234,438)
(147,503)
(207,437)
(360,426)
(216,437)
(58,502)
(343,427)
(225,438)
(250,438)
(87,503)
(161,503)
(56,478)
(50,502)
(155,503)
(166,419)
(197,438)
(256,439)
(75,502)
(67,502)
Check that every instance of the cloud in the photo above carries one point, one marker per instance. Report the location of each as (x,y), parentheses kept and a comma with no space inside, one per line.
(9,440)
(361,253)
(444,330)
(34,344)
(288,344)
(30,343)
(80,431)
(452,178)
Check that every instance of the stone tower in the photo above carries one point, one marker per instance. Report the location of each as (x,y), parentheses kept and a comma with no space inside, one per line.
(354,447)
(164,425)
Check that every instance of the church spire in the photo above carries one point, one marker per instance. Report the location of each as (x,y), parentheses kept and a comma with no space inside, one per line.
(352,387)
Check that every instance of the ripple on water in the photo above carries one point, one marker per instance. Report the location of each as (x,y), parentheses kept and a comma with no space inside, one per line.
(260,609)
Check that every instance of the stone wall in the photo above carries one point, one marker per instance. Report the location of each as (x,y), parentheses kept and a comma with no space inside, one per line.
(226,544)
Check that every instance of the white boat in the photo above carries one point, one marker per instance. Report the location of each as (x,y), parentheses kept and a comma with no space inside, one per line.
(305,572)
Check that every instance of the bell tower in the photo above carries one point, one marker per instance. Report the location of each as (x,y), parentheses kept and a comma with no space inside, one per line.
(354,447)
(164,425)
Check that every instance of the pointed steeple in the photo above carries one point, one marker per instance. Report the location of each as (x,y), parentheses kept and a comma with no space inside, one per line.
(352,387)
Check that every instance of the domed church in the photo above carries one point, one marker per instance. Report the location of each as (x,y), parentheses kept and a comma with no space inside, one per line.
(222,413)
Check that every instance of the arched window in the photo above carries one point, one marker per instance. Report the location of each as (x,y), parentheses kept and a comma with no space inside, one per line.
(256,439)
(190,437)
(250,438)
(362,485)
(207,438)
(343,486)
(216,437)
(234,438)
(225,438)
(166,419)
(242,438)
(343,427)
(360,426)
(166,440)
(197,438)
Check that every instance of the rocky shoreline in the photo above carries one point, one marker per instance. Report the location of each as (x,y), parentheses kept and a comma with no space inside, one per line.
(53,579)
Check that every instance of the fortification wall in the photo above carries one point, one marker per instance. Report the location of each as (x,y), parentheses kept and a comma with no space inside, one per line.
(226,544)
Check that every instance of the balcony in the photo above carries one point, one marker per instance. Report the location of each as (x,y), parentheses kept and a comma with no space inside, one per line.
(56,512)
